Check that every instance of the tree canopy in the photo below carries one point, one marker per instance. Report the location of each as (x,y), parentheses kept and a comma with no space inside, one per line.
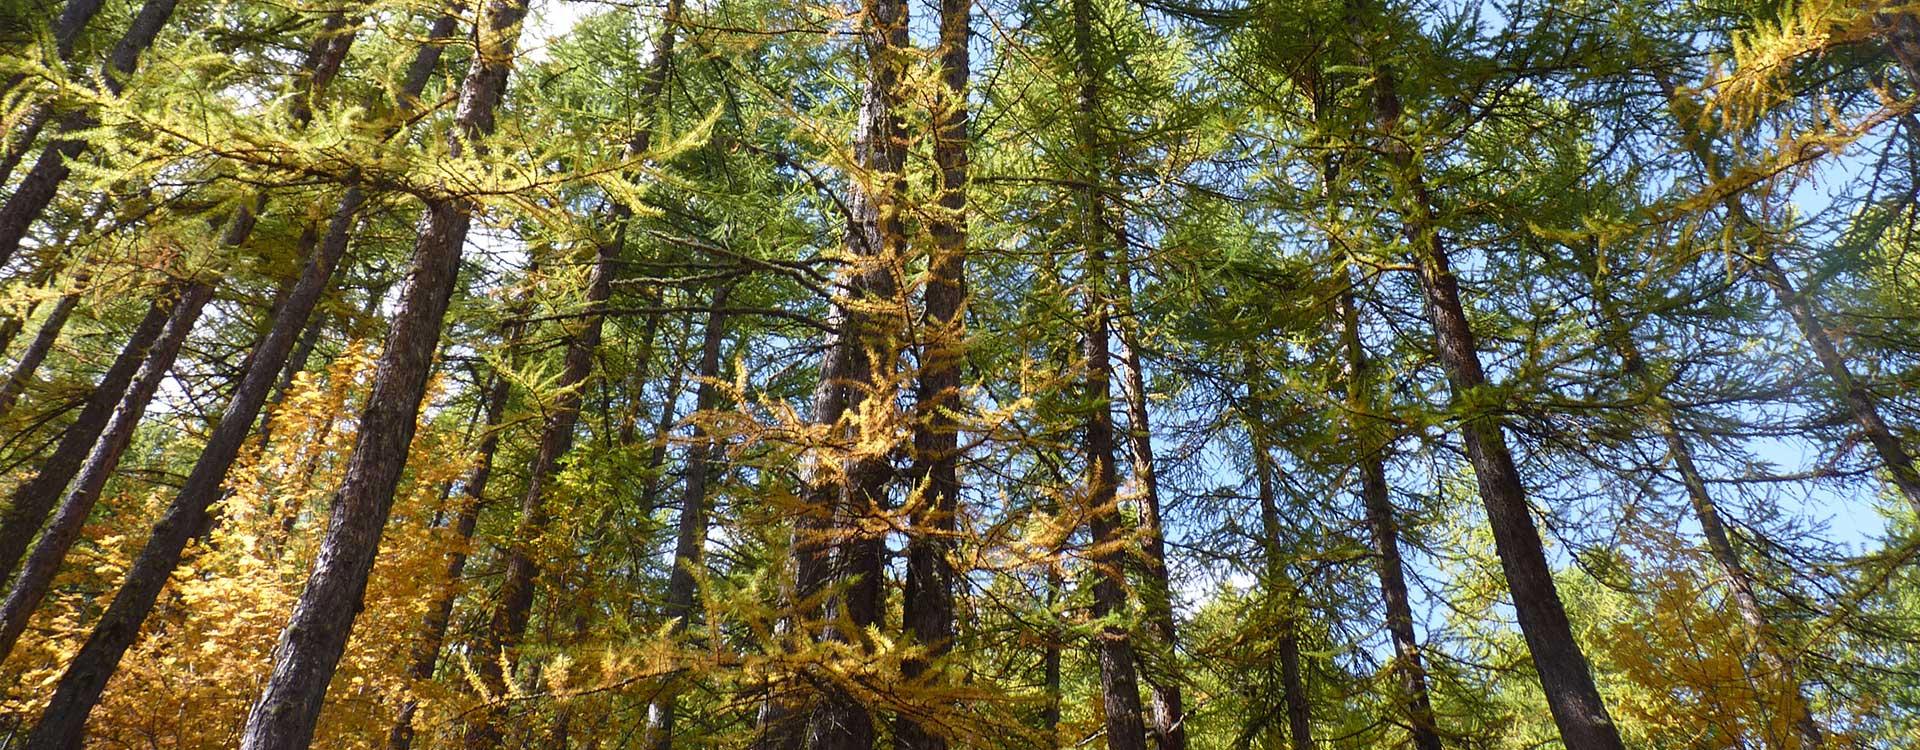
(927,374)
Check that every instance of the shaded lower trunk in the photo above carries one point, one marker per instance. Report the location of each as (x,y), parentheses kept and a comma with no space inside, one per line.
(1167,709)
(1572,698)
(1564,675)
(1294,689)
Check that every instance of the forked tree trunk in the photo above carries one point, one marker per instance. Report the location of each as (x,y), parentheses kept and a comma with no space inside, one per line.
(1166,709)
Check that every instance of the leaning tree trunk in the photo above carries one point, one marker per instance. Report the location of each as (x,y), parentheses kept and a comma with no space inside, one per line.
(37,351)
(1855,396)
(1617,329)
(36,577)
(33,499)
(73,19)
(1364,425)
(1572,698)
(690,538)
(316,635)
(928,600)
(37,190)
(507,625)
(188,515)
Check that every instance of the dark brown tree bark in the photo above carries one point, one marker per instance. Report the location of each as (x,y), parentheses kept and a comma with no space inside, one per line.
(37,190)
(1564,675)
(928,601)
(690,537)
(433,625)
(1050,665)
(507,625)
(16,145)
(1113,645)
(36,576)
(1281,595)
(1364,427)
(73,19)
(1901,33)
(33,499)
(863,347)
(1166,708)
(316,635)
(188,515)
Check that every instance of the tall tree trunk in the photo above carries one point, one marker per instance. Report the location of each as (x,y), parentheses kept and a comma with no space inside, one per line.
(1166,708)
(37,190)
(1280,592)
(316,635)
(1113,645)
(433,625)
(507,625)
(1572,698)
(1617,329)
(36,577)
(37,351)
(33,499)
(188,515)
(1364,425)
(690,539)
(857,362)
(1800,306)
(928,601)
